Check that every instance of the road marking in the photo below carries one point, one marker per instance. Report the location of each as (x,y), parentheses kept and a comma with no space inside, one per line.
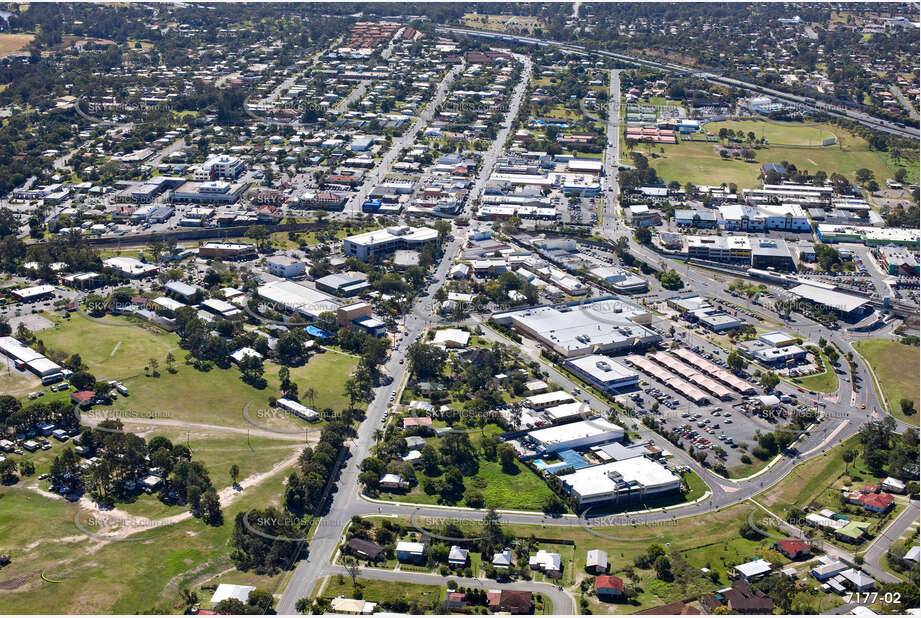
(831,436)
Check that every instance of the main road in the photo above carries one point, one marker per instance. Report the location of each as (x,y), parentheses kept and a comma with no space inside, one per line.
(346,502)
(842,420)
(383,166)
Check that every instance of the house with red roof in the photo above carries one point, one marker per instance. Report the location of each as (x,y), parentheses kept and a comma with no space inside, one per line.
(456,600)
(794,549)
(878,503)
(609,587)
(417,421)
(82,399)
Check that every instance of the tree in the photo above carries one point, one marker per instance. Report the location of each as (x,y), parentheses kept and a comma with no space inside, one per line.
(735,361)
(663,567)
(234,473)
(211,507)
(507,456)
(907,406)
(492,528)
(262,599)
(230,607)
(170,362)
(643,235)
(848,456)
(769,380)
(351,567)
(671,280)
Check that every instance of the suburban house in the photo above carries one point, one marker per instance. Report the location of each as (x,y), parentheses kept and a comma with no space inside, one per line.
(392,481)
(753,570)
(857,581)
(549,563)
(410,552)
(596,561)
(739,599)
(456,600)
(82,399)
(609,587)
(893,485)
(853,532)
(678,608)
(457,556)
(366,549)
(502,559)
(794,549)
(827,568)
(511,601)
(878,503)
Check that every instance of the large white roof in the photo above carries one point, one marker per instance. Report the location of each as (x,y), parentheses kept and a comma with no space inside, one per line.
(596,480)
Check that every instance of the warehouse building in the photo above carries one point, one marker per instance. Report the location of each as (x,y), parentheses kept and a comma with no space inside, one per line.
(603,372)
(582,434)
(578,328)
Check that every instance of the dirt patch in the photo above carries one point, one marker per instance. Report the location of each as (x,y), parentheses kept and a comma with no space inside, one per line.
(15,582)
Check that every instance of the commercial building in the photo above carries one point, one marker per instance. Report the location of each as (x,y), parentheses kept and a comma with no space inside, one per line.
(211,191)
(220,166)
(291,297)
(33,293)
(617,481)
(573,435)
(621,280)
(846,305)
(386,241)
(868,235)
(285,266)
(130,267)
(343,284)
(720,248)
(603,372)
(227,250)
(25,357)
(578,328)
(767,354)
(771,253)
(898,261)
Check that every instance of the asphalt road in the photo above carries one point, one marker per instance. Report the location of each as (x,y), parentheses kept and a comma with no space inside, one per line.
(383,166)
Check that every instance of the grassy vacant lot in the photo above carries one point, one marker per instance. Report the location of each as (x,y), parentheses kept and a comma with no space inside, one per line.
(118,349)
(115,577)
(807,481)
(380,591)
(10,43)
(700,163)
(521,489)
(780,133)
(896,366)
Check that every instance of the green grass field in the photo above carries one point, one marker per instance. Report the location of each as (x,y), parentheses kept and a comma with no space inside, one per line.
(380,591)
(780,133)
(896,366)
(118,349)
(700,163)
(522,490)
(115,577)
(825,382)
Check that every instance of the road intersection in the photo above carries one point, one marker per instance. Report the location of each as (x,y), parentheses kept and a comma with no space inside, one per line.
(841,420)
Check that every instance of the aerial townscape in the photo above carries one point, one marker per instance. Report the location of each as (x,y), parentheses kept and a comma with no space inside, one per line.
(551,308)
